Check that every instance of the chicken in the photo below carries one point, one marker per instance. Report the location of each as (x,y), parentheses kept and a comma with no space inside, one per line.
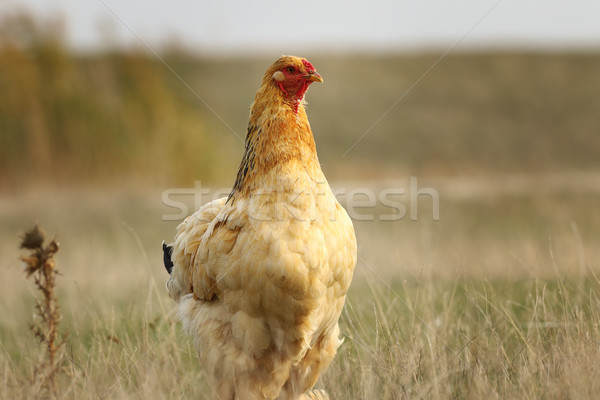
(261,276)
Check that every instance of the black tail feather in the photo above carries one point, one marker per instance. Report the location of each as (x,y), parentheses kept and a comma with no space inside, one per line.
(167,251)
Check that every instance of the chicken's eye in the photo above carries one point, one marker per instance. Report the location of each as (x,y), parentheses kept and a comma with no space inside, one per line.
(291,70)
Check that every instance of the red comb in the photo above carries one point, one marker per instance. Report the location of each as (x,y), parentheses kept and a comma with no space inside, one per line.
(308,65)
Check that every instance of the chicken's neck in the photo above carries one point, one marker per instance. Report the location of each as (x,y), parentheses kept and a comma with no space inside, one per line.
(279,136)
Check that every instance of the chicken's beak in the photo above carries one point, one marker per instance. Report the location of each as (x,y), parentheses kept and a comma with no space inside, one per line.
(314,77)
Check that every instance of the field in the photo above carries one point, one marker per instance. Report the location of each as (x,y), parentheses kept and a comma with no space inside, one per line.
(479,278)
(499,298)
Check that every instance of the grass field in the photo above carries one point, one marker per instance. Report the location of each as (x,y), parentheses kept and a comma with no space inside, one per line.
(496,299)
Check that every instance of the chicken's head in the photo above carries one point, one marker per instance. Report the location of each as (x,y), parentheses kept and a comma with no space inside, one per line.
(293,75)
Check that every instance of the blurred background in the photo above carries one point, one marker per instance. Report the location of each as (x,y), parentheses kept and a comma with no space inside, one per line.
(494,105)
(104,91)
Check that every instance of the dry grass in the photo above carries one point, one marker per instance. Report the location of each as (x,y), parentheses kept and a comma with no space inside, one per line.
(498,299)
(471,339)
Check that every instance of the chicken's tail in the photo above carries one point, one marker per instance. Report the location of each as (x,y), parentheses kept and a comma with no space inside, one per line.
(167,251)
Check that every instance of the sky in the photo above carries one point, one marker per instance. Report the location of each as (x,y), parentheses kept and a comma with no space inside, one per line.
(339,25)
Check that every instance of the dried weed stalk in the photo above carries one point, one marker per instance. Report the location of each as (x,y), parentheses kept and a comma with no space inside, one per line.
(40,263)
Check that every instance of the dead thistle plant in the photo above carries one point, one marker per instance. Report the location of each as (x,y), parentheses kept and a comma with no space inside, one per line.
(40,263)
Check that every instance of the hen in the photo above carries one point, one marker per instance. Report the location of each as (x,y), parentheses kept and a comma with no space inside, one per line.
(261,276)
